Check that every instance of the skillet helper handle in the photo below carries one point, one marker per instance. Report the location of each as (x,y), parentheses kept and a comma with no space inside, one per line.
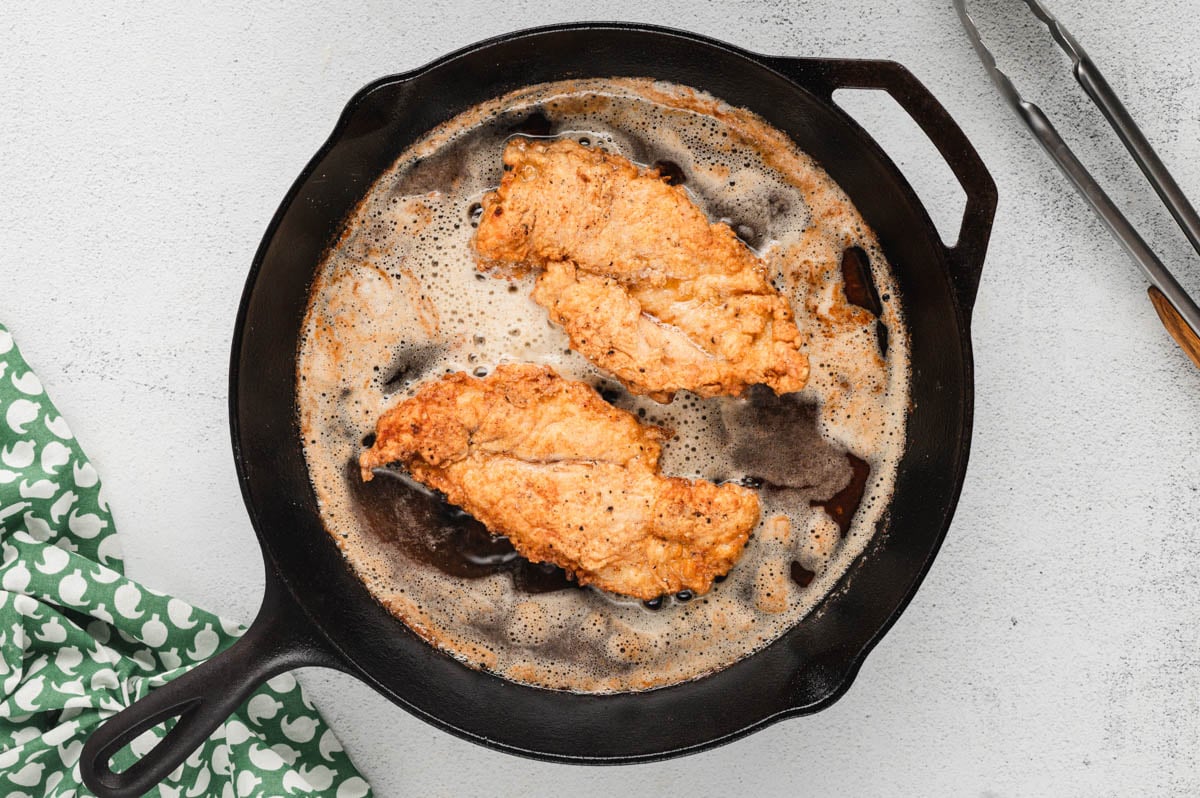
(279,640)
(824,76)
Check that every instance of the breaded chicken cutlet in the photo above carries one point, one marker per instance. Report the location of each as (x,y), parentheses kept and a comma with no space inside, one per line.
(568,478)
(645,286)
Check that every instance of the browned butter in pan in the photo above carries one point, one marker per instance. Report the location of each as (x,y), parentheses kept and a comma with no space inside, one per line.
(398,300)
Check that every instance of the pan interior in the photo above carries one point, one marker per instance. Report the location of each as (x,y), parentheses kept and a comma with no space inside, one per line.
(397,300)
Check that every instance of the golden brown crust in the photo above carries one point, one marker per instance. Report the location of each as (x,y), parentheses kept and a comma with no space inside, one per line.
(645,286)
(568,478)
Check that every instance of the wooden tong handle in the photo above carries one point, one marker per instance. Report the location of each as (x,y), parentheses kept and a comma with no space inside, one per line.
(1188,341)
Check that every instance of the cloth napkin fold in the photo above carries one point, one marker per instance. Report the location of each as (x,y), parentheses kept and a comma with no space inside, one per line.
(79,641)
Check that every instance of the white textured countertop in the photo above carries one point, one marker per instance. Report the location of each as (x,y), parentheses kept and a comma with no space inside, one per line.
(1054,649)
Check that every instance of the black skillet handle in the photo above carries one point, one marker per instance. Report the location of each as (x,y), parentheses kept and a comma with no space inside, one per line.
(825,76)
(280,639)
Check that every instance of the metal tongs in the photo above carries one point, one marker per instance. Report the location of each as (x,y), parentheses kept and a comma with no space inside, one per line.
(1175,308)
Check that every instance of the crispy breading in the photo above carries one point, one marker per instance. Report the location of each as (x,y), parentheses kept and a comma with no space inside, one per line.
(568,478)
(645,286)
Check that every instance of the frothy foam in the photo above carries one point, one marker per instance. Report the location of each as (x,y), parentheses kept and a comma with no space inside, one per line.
(398,300)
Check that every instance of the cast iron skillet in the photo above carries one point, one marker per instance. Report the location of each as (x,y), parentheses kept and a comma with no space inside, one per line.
(316,612)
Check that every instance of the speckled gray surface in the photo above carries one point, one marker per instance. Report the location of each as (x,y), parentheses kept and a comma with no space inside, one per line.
(1053,650)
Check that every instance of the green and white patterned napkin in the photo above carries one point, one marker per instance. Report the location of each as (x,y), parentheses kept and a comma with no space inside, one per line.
(79,641)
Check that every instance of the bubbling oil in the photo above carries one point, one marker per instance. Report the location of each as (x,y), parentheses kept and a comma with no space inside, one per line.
(398,300)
